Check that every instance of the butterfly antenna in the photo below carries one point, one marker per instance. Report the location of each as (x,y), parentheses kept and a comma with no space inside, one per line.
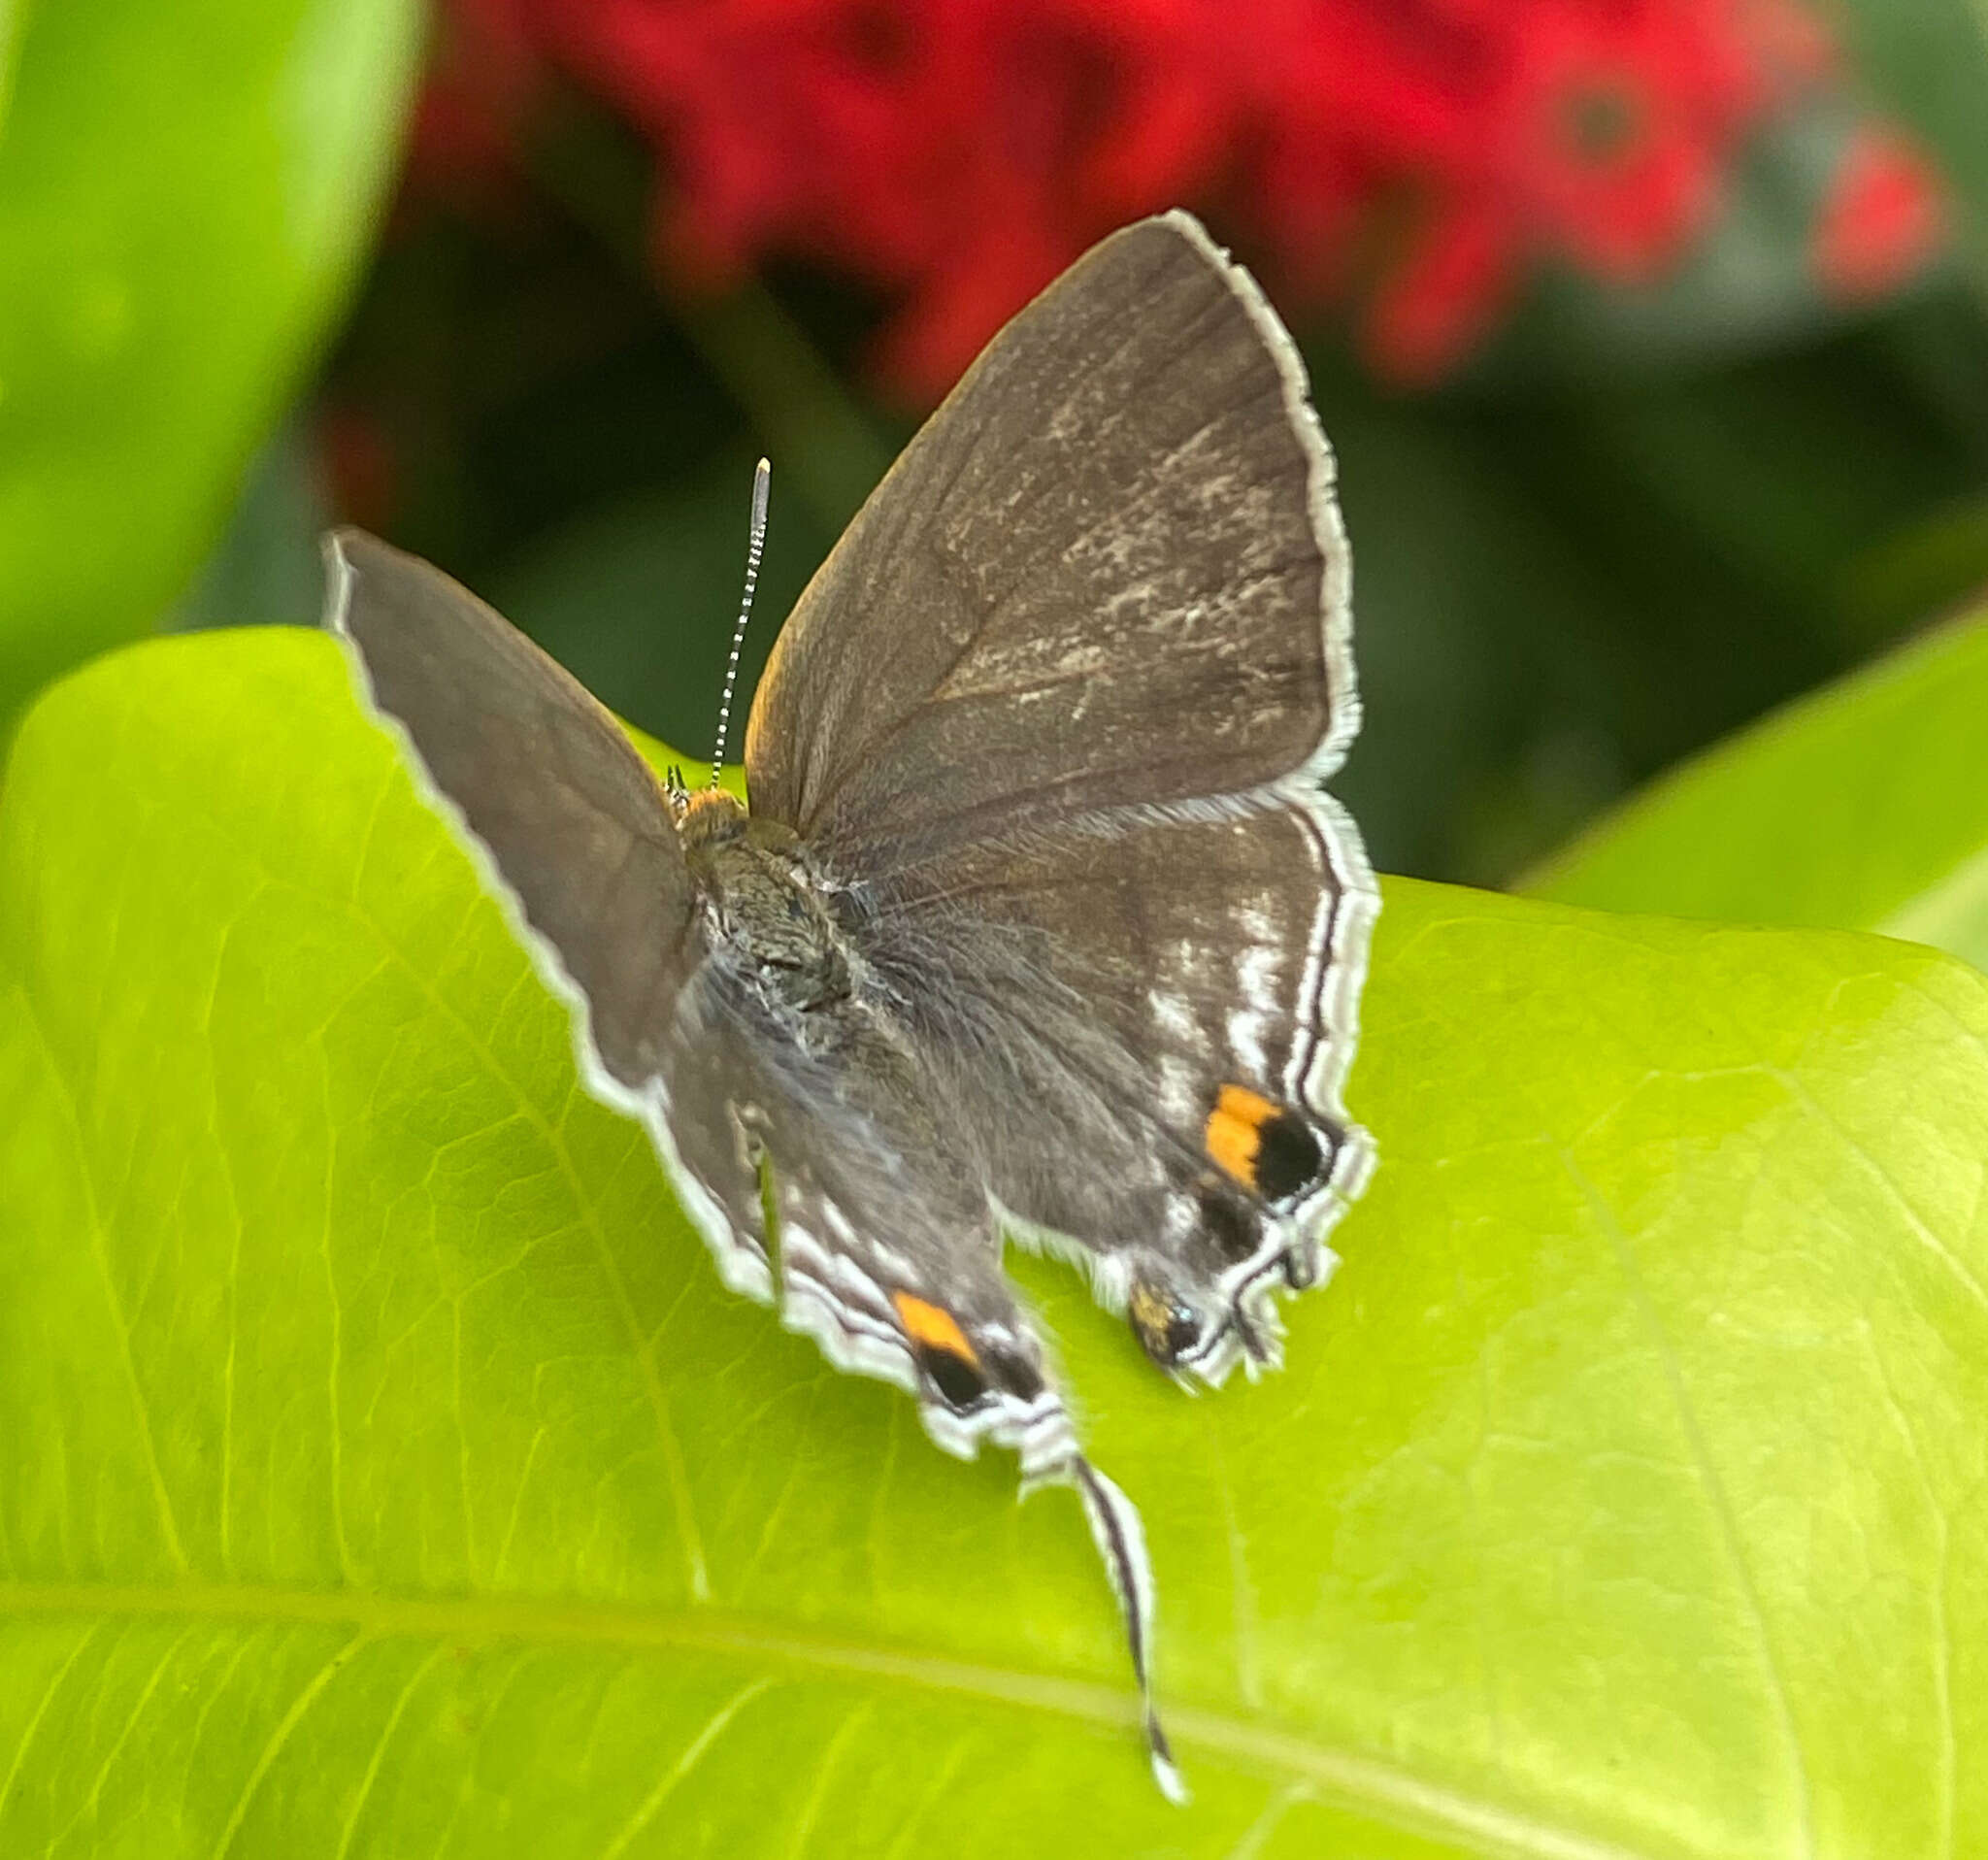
(756,542)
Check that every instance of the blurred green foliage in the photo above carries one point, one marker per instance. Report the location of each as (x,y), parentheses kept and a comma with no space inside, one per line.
(185,194)
(1861,806)
(1643,518)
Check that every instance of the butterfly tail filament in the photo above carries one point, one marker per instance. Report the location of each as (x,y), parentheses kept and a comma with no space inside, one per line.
(1121,1539)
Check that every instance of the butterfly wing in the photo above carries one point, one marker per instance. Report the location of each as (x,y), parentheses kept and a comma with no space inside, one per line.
(572,831)
(1149,1048)
(1108,570)
(889,1256)
(1057,710)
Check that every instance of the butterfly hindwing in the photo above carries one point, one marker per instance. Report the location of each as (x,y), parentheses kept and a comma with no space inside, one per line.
(1159,1094)
(891,1259)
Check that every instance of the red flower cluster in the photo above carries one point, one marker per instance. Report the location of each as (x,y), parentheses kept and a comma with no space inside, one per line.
(1881,221)
(1419,153)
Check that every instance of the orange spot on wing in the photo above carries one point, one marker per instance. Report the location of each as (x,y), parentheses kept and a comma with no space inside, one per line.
(1235,1131)
(1251,1108)
(933,1326)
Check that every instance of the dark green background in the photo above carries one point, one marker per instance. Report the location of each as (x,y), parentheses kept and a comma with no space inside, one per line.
(1635,521)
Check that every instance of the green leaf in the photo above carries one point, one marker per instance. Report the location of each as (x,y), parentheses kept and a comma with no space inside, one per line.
(383,1470)
(1860,808)
(184,191)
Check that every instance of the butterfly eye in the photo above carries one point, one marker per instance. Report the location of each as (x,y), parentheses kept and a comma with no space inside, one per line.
(1165,1323)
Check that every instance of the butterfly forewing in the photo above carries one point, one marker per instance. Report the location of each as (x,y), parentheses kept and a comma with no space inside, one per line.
(1108,571)
(574,834)
(571,816)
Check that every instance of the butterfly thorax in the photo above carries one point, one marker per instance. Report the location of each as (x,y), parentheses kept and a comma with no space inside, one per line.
(763,902)
(827,1024)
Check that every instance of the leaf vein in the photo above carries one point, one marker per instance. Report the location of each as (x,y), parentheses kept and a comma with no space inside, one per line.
(101,1252)
(34,1724)
(371,1777)
(693,1755)
(1921,1231)
(1803,1832)
(286,1726)
(1371,1784)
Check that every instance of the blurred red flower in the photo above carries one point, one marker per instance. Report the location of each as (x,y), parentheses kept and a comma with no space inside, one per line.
(1880,222)
(1416,153)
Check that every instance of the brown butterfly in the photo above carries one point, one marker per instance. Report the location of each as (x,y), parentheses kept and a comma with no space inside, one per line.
(1040,924)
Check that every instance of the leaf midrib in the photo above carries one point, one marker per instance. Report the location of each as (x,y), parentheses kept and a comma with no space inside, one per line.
(1386,1791)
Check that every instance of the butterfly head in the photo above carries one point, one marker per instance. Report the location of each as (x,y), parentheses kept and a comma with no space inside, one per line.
(710,818)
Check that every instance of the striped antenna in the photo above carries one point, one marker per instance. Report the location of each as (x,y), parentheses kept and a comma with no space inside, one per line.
(755,541)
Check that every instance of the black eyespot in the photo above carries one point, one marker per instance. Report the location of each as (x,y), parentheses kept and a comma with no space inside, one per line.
(1015,1374)
(1166,1324)
(953,1377)
(1184,1331)
(1288,1157)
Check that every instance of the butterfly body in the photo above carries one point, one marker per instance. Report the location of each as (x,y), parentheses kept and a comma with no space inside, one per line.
(1041,925)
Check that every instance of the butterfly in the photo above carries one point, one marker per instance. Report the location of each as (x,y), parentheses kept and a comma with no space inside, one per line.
(1041,924)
